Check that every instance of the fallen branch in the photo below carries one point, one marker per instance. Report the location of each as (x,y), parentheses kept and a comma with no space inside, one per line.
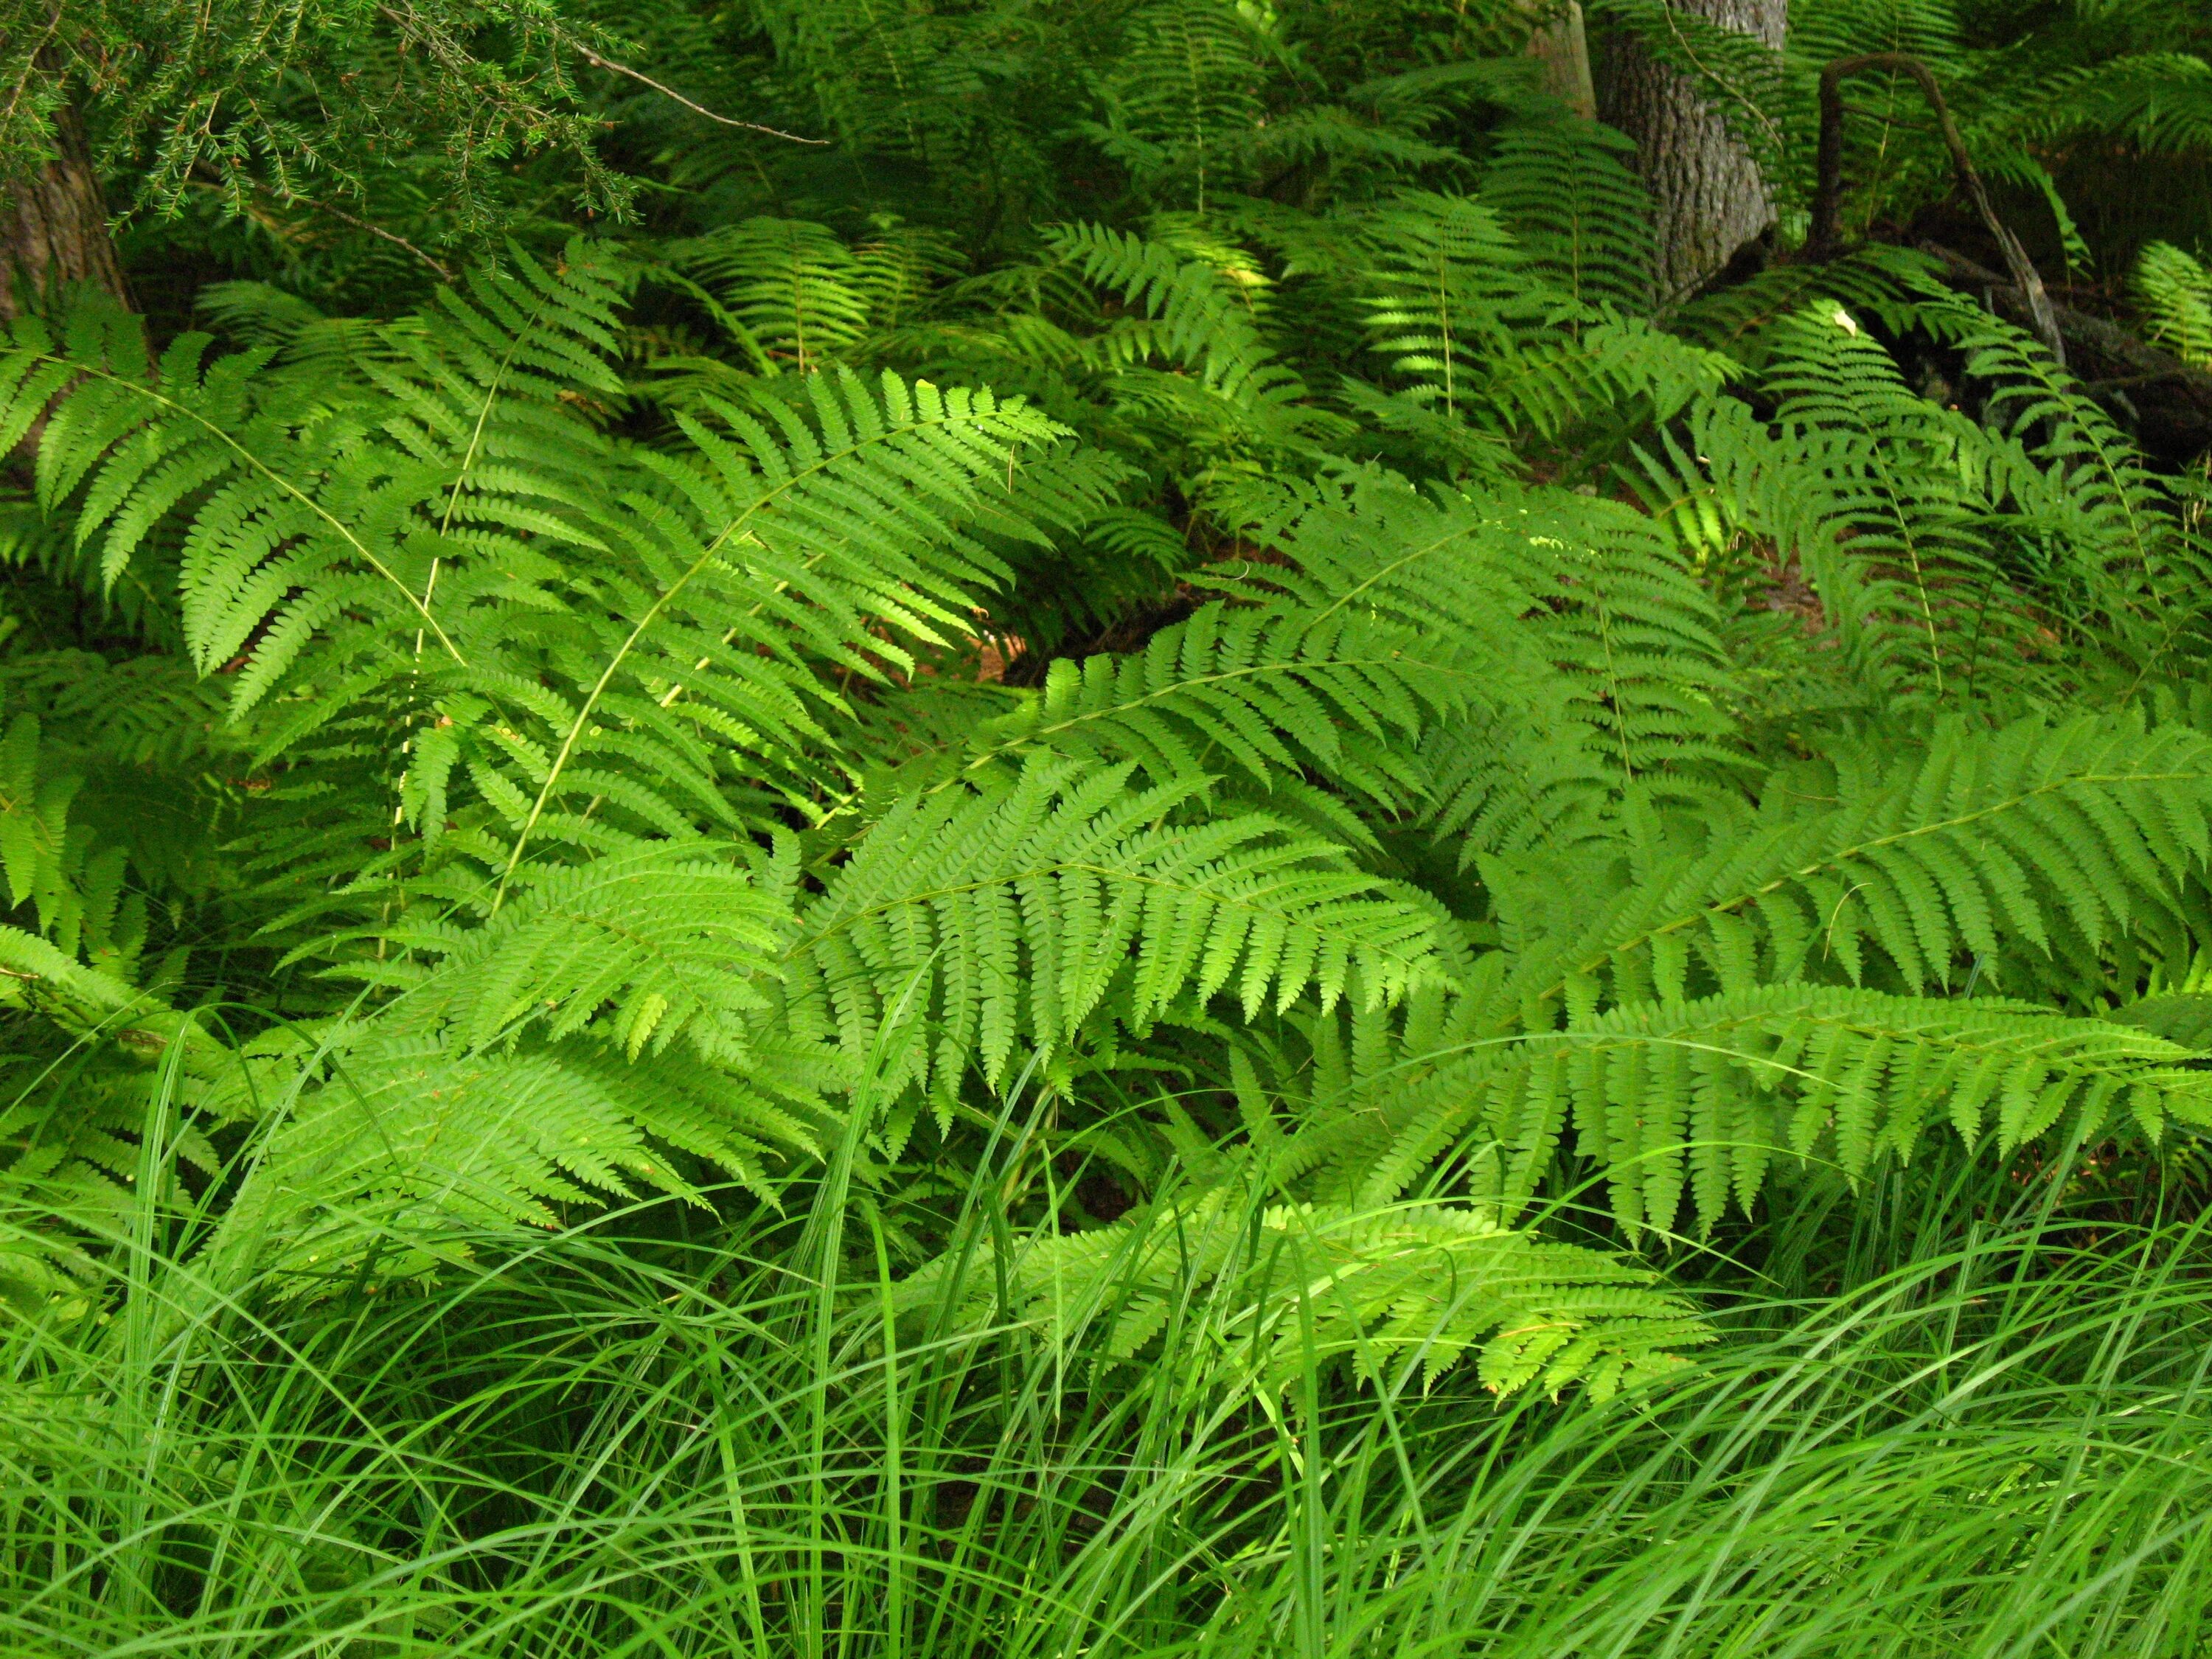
(1828,198)
(2182,416)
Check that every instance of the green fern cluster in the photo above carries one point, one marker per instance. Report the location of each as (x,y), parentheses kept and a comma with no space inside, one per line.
(1305,651)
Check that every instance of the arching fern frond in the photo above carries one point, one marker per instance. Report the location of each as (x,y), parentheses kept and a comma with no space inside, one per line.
(1278,1287)
(973,922)
(2022,858)
(641,948)
(315,513)
(1701,1100)
(1447,292)
(826,539)
(1266,695)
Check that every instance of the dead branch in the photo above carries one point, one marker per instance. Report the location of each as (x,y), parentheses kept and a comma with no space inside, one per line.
(1827,200)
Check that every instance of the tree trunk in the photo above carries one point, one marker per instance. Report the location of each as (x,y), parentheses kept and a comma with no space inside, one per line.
(1562,46)
(53,224)
(1709,199)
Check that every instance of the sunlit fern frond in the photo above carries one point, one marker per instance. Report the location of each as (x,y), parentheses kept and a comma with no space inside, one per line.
(1277,1288)
(2175,293)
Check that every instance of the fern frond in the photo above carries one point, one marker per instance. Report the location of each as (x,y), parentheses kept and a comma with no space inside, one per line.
(1206,318)
(968,923)
(1894,506)
(1564,190)
(1700,1100)
(826,539)
(640,947)
(2175,293)
(1299,677)
(2119,564)
(2023,856)
(1623,372)
(1183,98)
(1598,646)
(791,289)
(1277,1288)
(396,1145)
(301,524)
(1448,292)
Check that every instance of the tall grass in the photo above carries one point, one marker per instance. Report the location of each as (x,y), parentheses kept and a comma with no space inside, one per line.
(1942,1422)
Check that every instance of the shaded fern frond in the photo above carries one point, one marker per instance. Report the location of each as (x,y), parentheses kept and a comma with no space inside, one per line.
(1564,188)
(395,1147)
(1893,506)
(1183,99)
(2175,293)
(790,290)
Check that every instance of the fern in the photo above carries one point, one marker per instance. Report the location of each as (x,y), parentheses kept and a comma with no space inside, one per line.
(2175,291)
(1300,677)
(1445,270)
(1205,316)
(640,948)
(1565,192)
(1700,1100)
(1279,1288)
(391,1147)
(792,294)
(1183,98)
(2124,562)
(305,524)
(1011,914)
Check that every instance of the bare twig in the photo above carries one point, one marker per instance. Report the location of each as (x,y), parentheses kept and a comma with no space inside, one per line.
(643,79)
(1827,200)
(445,271)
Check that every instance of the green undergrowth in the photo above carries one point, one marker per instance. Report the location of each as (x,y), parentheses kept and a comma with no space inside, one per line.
(1974,1425)
(1125,864)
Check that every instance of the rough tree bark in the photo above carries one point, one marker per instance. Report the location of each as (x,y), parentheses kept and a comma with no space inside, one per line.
(53,223)
(1709,198)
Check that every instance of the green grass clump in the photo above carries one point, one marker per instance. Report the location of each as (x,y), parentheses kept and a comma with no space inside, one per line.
(658,1435)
